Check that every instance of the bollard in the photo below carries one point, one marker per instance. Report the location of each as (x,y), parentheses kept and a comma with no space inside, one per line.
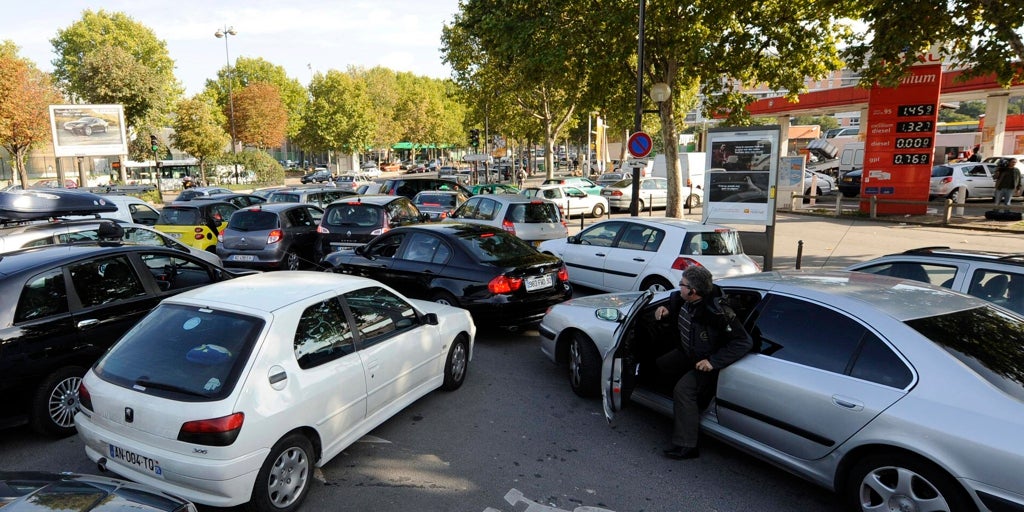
(650,206)
(799,253)
(582,216)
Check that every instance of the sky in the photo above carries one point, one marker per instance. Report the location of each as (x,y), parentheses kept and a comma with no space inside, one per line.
(302,36)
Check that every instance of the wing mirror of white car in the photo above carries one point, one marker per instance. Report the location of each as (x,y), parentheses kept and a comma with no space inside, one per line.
(430,318)
(610,314)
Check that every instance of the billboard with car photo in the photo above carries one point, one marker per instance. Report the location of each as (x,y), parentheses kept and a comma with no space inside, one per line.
(88,130)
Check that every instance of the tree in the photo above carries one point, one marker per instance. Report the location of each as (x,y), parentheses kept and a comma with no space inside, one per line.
(338,116)
(25,98)
(981,36)
(251,70)
(198,131)
(260,116)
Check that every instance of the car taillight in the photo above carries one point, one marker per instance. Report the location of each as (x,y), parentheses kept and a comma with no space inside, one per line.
(444,215)
(212,432)
(616,193)
(563,274)
(84,398)
(681,263)
(947,180)
(275,236)
(323,230)
(504,284)
(509,226)
(199,235)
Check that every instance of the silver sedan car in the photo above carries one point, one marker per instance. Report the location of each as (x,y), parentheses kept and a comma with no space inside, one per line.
(899,395)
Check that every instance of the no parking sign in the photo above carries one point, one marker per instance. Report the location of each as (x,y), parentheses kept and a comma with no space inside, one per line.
(639,145)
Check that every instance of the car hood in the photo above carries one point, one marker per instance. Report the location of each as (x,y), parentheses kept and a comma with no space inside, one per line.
(71,492)
(621,301)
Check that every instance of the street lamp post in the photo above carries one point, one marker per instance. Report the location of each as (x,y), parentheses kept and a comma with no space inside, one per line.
(224,33)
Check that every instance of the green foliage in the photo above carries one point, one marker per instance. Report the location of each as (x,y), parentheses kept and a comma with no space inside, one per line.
(251,70)
(25,96)
(198,131)
(982,36)
(101,29)
(339,117)
(267,170)
(825,122)
(111,75)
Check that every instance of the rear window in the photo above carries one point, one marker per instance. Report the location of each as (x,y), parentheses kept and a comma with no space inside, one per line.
(712,243)
(532,213)
(940,171)
(253,220)
(624,183)
(435,199)
(179,216)
(185,352)
(354,214)
(988,341)
(495,247)
(283,197)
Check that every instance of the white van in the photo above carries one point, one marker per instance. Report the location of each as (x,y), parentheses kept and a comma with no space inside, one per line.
(851,158)
(691,165)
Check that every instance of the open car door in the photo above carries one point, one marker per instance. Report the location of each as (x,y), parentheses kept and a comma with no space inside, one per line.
(618,372)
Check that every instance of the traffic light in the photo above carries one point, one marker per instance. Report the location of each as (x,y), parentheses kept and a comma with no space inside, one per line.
(154,143)
(474,138)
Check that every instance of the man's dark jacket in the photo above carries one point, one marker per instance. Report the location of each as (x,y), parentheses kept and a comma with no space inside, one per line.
(717,335)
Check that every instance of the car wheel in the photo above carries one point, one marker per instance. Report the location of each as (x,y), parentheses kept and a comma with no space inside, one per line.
(284,479)
(639,205)
(56,401)
(693,201)
(445,298)
(655,283)
(584,366)
(87,130)
(955,195)
(901,481)
(598,211)
(456,365)
(291,261)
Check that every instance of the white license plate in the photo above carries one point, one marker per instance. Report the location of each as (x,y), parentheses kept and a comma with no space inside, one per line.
(131,458)
(538,283)
(242,257)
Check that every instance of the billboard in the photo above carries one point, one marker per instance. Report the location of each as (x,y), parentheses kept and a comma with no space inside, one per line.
(88,130)
(739,185)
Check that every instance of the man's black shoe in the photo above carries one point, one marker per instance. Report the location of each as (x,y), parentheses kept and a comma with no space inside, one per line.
(682,453)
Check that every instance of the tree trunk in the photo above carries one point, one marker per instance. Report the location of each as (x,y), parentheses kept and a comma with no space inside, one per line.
(674,206)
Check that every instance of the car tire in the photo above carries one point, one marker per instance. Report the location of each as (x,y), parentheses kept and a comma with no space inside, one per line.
(656,283)
(639,205)
(284,480)
(291,261)
(456,365)
(902,477)
(598,211)
(442,297)
(56,401)
(87,130)
(955,195)
(693,201)
(584,366)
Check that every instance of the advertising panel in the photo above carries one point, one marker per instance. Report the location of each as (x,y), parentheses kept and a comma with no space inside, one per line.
(739,186)
(900,142)
(88,130)
(791,178)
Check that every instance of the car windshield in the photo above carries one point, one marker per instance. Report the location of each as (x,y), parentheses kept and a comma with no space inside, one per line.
(187,352)
(490,247)
(253,220)
(179,216)
(986,340)
(532,213)
(353,214)
(721,242)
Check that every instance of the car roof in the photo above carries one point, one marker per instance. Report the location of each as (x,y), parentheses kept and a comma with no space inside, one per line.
(515,198)
(250,292)
(943,252)
(275,207)
(895,297)
(32,258)
(689,225)
(196,204)
(375,199)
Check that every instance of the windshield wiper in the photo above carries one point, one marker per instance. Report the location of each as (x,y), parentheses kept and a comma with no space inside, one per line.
(146,383)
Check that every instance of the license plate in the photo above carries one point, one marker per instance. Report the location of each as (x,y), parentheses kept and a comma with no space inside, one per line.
(538,283)
(242,257)
(131,458)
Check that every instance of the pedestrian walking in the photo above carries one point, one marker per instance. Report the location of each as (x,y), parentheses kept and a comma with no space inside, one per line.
(1007,178)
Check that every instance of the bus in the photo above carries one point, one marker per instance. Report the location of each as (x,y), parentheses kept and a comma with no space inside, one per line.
(171,172)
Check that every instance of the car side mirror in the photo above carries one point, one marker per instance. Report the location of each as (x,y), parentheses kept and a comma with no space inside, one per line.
(573,239)
(430,319)
(361,250)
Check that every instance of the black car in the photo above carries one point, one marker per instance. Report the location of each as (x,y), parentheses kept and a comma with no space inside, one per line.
(439,204)
(849,183)
(61,306)
(501,280)
(409,187)
(191,193)
(239,200)
(22,491)
(271,236)
(321,176)
(355,221)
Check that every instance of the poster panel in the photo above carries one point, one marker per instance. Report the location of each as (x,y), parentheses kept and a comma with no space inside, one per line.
(791,178)
(88,130)
(739,186)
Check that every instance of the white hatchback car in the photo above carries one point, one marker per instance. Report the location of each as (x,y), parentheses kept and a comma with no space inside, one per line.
(648,253)
(571,200)
(231,394)
(531,219)
(975,178)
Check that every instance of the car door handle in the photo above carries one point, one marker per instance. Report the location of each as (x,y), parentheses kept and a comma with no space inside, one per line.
(601,254)
(847,403)
(641,260)
(85,324)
